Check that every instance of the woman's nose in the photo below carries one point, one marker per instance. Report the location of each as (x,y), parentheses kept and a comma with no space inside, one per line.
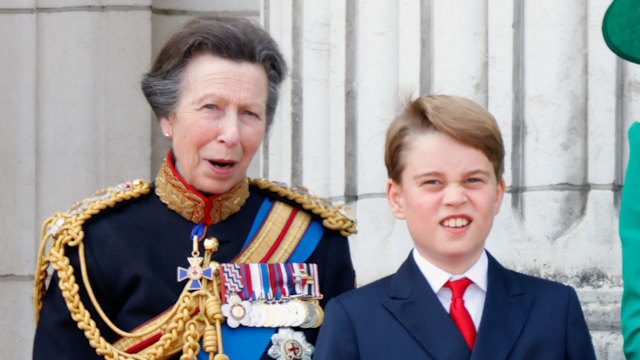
(228,128)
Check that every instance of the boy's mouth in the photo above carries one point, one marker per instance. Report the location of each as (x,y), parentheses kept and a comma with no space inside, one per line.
(455,221)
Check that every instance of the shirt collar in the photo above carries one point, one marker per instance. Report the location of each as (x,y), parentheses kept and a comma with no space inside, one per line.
(436,277)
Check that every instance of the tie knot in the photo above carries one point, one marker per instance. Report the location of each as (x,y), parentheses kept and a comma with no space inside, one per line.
(458,287)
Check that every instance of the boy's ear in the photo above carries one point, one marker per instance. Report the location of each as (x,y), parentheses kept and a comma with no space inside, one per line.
(394,196)
(499,195)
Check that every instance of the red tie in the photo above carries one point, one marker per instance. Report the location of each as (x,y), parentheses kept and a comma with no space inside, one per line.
(459,313)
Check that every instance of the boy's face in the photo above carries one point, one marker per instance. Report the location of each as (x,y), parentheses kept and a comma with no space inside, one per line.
(448,195)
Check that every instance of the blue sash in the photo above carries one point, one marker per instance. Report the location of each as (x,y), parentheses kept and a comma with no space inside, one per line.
(250,342)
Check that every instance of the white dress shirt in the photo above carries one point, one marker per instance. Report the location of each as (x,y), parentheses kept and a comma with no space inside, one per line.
(475,294)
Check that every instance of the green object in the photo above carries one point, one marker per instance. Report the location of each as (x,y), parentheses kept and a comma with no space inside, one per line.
(621,29)
(630,236)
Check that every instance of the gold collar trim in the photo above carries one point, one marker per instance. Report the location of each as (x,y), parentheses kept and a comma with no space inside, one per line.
(191,204)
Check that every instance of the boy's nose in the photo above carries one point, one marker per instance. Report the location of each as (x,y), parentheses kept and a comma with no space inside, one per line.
(455,195)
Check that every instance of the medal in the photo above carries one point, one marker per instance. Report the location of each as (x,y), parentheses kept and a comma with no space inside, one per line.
(299,312)
(195,272)
(285,314)
(312,316)
(290,345)
(258,315)
(271,316)
(236,311)
(319,314)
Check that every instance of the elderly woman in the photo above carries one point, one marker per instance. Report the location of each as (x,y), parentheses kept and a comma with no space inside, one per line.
(254,260)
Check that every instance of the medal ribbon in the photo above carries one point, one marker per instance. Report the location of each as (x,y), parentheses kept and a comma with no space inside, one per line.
(232,278)
(266,285)
(291,285)
(284,290)
(316,284)
(256,280)
(247,291)
(274,289)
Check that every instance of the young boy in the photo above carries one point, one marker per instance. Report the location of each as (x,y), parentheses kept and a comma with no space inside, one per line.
(451,299)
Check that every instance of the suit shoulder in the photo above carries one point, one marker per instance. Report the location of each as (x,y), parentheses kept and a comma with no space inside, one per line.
(378,289)
(334,216)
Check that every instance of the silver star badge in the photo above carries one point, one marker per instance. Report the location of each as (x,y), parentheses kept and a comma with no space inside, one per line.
(290,345)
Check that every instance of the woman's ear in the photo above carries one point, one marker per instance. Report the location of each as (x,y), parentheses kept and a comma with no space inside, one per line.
(394,196)
(167,126)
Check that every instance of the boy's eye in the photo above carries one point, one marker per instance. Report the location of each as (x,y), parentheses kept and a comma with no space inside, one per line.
(474,180)
(431,182)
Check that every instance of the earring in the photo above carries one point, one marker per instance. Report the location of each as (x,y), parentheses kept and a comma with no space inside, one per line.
(166,135)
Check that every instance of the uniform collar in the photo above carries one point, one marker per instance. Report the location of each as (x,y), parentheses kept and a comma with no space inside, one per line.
(193,205)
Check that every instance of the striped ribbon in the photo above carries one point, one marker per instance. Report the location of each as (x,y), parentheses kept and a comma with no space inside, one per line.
(260,281)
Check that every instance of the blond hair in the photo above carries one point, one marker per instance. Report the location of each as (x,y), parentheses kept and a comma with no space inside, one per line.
(460,118)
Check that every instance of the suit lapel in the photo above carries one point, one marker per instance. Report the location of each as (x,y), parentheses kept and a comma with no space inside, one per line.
(414,305)
(505,313)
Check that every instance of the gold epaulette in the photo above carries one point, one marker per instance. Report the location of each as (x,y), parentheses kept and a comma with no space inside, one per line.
(65,228)
(335,217)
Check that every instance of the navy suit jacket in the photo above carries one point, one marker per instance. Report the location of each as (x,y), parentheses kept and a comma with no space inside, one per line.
(400,317)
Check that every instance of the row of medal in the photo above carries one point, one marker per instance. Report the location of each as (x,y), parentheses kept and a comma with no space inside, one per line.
(284,313)
(271,295)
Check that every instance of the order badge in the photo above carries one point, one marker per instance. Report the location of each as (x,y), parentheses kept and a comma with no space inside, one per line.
(290,345)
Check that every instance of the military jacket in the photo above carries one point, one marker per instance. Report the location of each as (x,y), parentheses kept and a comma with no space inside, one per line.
(132,248)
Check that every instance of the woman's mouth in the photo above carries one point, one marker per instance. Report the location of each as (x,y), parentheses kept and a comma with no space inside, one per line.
(222,164)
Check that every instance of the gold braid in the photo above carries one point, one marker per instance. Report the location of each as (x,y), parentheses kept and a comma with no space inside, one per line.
(334,217)
(191,337)
(66,229)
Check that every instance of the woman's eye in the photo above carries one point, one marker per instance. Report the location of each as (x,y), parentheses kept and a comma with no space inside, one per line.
(250,113)
(209,106)
(432,182)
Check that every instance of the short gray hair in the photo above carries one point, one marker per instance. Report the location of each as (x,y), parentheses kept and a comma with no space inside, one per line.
(229,38)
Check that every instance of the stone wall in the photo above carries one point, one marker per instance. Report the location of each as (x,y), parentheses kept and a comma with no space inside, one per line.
(74,121)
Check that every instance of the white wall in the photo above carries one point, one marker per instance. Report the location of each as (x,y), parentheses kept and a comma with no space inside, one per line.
(73,121)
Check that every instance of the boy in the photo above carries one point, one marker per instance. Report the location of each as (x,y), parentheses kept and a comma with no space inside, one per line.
(451,299)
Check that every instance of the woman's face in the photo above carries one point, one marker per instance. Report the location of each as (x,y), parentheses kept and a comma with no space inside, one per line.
(219,121)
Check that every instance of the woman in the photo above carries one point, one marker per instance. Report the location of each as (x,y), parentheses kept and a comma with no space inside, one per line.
(214,89)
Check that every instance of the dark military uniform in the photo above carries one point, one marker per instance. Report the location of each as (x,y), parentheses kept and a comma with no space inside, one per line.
(132,251)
